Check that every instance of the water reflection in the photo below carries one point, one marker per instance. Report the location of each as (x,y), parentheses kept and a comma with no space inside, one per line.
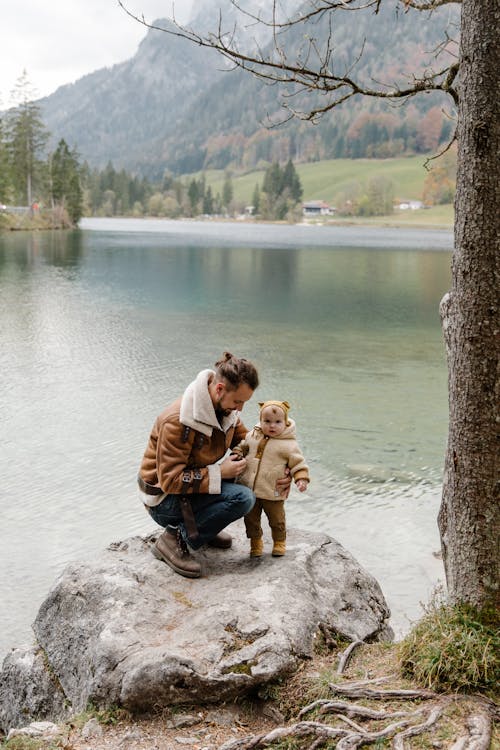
(101,329)
(25,249)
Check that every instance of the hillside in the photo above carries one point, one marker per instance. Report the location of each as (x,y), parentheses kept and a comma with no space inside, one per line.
(327,180)
(175,106)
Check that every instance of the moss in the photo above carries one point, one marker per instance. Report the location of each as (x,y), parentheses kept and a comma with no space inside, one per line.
(181,597)
(242,668)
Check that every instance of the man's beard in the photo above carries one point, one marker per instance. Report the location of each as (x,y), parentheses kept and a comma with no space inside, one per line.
(220,412)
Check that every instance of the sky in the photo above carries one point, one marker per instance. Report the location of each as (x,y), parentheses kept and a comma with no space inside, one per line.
(59,42)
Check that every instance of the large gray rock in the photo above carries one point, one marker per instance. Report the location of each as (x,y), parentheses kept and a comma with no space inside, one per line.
(29,689)
(125,629)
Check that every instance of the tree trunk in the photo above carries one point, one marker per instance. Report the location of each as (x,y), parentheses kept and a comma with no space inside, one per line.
(469,514)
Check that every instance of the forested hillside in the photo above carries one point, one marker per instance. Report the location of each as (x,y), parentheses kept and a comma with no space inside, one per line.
(173,107)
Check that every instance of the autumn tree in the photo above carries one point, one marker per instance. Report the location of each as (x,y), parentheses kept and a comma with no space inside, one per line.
(378,199)
(429,133)
(439,184)
(315,83)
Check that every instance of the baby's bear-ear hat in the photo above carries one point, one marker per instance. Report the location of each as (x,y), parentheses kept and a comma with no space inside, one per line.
(283,405)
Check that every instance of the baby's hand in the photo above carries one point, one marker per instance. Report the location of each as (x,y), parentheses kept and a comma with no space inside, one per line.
(283,485)
(301,485)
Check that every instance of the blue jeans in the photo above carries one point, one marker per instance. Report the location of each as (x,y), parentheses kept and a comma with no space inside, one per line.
(212,512)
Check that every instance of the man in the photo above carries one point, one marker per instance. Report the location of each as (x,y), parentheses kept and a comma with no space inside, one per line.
(183,486)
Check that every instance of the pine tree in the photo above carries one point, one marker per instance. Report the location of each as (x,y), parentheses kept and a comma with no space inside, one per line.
(193,195)
(65,179)
(5,177)
(256,199)
(227,191)
(208,202)
(273,182)
(26,138)
(291,180)
(282,189)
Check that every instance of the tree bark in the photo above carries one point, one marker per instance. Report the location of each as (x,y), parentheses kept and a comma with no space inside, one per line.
(469,514)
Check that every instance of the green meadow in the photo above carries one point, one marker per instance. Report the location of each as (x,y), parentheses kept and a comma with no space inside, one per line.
(327,180)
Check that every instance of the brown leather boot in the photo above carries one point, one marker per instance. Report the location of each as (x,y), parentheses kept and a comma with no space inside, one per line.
(172,549)
(222,540)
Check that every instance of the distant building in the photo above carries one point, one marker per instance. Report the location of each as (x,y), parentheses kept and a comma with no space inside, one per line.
(409,205)
(317,208)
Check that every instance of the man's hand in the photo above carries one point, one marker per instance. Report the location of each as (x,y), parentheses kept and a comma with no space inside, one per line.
(283,485)
(233,466)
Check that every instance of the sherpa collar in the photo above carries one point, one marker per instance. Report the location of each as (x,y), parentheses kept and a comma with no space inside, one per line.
(197,410)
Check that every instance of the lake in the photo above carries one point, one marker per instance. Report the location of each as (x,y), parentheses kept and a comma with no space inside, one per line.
(103,326)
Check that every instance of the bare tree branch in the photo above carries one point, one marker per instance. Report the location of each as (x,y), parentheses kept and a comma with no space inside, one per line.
(431,5)
(440,153)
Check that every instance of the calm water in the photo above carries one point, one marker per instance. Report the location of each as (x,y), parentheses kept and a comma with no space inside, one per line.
(100,328)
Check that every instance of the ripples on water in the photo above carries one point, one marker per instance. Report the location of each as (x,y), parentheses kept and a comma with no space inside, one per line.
(101,329)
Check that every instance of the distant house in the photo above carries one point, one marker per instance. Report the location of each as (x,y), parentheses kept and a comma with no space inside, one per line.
(317,208)
(409,205)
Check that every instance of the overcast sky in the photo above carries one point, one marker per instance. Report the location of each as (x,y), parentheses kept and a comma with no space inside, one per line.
(59,42)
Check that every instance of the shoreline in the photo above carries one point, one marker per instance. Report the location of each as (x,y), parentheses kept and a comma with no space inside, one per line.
(384,222)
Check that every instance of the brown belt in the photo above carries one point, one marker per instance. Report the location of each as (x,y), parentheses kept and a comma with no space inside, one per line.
(185,504)
(149,489)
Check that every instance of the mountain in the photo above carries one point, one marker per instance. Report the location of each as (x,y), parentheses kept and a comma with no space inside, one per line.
(123,113)
(178,106)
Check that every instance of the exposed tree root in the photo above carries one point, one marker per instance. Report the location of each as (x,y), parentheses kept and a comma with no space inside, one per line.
(399,744)
(350,734)
(351,709)
(358,690)
(300,729)
(478,736)
(346,655)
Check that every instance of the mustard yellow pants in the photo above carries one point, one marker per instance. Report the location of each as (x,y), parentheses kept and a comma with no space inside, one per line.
(275,512)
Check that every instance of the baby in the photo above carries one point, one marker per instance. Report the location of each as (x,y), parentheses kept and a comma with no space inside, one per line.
(270,448)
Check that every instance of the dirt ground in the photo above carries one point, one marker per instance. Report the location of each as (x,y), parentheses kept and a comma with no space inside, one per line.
(210,727)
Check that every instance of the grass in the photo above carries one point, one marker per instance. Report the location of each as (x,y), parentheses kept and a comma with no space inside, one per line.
(31,743)
(453,648)
(325,180)
(106,717)
(24,222)
(437,217)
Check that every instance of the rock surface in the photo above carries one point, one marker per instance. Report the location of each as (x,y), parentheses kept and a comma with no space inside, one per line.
(124,629)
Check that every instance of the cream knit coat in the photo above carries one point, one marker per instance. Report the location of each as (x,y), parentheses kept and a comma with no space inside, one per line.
(267,459)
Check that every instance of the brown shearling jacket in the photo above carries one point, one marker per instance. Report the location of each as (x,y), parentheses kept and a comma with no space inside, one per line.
(172,448)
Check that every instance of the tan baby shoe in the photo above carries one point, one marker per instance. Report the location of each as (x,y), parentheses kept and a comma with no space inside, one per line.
(256,547)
